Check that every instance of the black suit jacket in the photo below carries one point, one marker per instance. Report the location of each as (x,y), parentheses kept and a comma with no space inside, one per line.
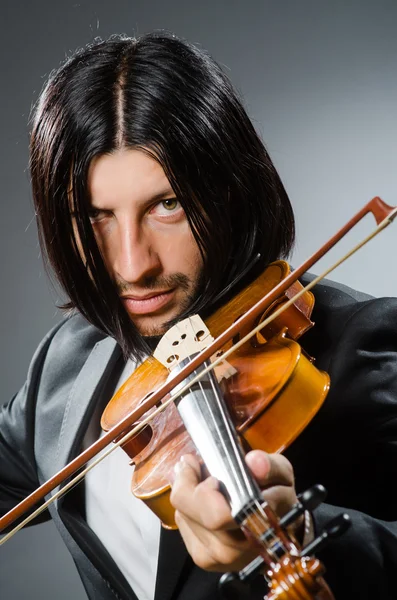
(350,447)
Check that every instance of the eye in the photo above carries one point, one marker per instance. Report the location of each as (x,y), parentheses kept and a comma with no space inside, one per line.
(170,203)
(167,207)
(95,214)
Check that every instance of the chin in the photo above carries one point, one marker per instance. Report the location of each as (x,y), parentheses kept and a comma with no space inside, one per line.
(157,326)
(153,330)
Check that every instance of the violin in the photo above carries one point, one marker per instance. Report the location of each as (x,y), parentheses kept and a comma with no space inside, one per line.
(271,390)
(216,389)
(262,398)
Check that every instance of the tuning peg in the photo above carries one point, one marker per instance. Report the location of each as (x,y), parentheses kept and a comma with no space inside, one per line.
(308,500)
(335,528)
(236,586)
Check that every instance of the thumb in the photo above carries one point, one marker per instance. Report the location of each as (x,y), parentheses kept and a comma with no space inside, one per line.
(270,469)
(259,464)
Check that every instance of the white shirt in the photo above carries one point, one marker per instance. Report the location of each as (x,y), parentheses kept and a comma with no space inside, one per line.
(128,529)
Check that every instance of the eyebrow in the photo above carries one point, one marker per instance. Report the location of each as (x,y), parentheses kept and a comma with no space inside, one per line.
(167,193)
(161,195)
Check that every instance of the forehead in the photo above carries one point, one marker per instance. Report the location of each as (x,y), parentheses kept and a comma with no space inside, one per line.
(126,173)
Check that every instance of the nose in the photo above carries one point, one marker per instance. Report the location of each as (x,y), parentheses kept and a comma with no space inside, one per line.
(135,259)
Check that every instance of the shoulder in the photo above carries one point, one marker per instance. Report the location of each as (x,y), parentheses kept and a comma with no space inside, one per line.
(354,339)
(346,319)
(64,350)
(73,335)
(335,293)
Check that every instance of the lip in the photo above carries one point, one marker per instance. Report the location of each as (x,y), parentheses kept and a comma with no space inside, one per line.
(151,303)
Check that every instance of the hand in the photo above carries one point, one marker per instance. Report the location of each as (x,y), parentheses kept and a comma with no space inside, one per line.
(211,536)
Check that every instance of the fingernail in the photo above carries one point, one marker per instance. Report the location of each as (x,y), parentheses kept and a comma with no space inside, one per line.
(212,483)
(179,465)
(173,472)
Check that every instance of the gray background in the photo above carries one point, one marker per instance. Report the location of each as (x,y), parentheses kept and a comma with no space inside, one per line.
(319,80)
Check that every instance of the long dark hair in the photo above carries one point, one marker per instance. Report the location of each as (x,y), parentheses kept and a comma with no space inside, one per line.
(166,97)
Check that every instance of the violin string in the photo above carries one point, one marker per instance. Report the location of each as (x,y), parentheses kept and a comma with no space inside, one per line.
(263,522)
(218,402)
(258,520)
(250,486)
(202,373)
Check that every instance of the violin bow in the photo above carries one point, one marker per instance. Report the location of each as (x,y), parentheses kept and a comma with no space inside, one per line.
(383,213)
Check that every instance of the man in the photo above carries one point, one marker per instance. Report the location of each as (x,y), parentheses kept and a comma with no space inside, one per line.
(156,199)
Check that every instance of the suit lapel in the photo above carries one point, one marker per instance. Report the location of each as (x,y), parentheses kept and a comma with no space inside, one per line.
(88,394)
(92,390)
(173,558)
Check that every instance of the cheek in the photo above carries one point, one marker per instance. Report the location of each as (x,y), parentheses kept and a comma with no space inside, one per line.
(180,253)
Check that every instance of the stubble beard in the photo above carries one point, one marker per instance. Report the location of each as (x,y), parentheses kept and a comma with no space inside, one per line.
(177,280)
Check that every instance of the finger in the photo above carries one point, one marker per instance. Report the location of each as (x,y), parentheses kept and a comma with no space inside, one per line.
(200,502)
(188,470)
(187,479)
(270,469)
(218,551)
(205,506)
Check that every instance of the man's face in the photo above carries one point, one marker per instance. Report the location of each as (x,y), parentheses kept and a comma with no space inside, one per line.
(144,237)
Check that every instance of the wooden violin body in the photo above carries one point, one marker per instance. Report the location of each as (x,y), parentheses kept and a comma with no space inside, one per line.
(272,395)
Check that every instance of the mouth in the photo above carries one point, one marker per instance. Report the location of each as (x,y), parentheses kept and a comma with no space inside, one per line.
(150,303)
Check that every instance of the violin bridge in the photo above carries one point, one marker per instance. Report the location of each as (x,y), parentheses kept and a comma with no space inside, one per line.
(187,338)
